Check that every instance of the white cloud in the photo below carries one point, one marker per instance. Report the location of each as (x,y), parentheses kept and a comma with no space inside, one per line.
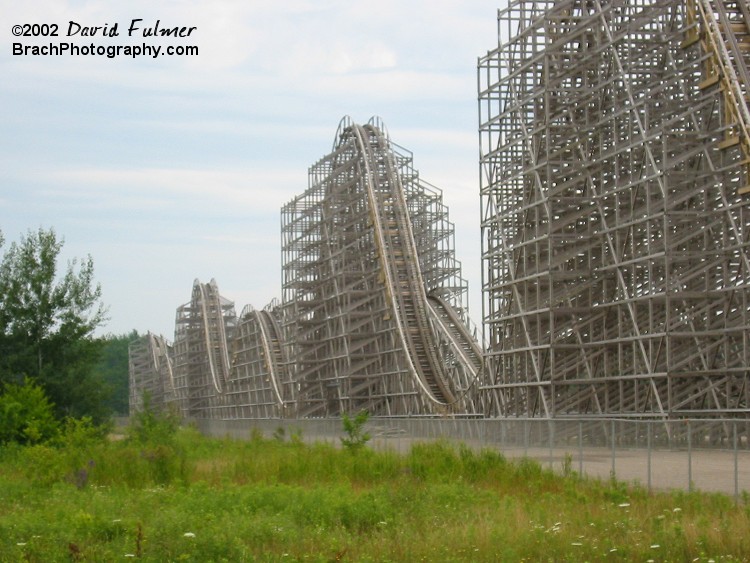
(261,189)
(175,168)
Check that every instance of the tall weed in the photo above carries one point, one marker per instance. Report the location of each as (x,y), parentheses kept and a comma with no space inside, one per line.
(267,500)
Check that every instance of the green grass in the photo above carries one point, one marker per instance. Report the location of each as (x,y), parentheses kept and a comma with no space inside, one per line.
(190,498)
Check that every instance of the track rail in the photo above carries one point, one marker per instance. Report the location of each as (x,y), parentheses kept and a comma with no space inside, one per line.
(721,40)
(157,351)
(462,342)
(271,343)
(398,257)
(216,344)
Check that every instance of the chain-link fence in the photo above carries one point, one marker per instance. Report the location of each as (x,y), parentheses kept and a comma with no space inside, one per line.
(710,455)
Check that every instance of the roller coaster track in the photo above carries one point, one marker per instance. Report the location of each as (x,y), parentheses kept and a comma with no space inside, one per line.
(158,350)
(462,343)
(366,244)
(272,349)
(398,257)
(214,335)
(726,36)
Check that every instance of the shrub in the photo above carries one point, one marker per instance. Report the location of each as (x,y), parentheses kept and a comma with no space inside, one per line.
(356,437)
(161,458)
(82,433)
(149,426)
(44,464)
(26,414)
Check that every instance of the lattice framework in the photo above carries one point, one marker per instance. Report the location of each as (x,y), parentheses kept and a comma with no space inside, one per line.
(361,250)
(614,226)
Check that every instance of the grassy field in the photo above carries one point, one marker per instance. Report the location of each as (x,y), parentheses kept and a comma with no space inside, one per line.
(183,497)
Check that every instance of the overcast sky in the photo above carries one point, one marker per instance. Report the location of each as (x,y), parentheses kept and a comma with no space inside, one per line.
(170,169)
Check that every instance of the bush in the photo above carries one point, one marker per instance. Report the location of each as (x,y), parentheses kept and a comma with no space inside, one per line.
(26,414)
(161,458)
(82,433)
(356,437)
(149,426)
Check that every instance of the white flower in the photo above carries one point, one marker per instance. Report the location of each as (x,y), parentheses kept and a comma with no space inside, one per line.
(189,534)
(655,546)
(624,505)
(678,509)
(21,544)
(576,543)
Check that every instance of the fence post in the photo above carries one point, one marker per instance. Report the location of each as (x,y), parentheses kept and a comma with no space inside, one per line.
(612,433)
(736,478)
(580,448)
(525,438)
(649,424)
(551,434)
(690,457)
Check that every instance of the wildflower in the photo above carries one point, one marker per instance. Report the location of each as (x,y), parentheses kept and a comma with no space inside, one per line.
(576,543)
(613,550)
(624,504)
(130,555)
(189,534)
(655,546)
(21,544)
(678,509)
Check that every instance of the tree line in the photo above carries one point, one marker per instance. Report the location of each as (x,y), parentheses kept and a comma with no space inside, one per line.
(48,350)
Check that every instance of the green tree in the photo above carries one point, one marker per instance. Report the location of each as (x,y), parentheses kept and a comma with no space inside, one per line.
(356,437)
(113,370)
(47,320)
(26,415)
